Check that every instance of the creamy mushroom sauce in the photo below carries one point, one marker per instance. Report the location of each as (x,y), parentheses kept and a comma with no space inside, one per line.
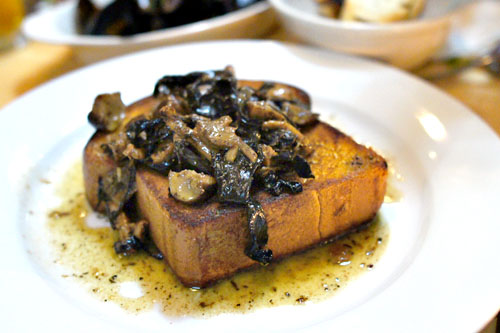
(139,282)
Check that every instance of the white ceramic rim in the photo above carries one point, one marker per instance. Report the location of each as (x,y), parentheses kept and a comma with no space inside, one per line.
(30,24)
(400,26)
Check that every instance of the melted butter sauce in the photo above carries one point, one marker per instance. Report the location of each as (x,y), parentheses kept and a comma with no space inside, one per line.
(139,283)
(392,193)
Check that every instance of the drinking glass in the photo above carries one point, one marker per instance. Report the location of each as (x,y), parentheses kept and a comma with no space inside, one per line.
(11,16)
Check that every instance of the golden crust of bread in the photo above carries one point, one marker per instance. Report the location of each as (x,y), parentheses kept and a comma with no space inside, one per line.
(205,242)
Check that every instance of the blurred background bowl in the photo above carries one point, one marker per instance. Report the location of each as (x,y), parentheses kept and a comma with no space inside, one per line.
(406,44)
(56,25)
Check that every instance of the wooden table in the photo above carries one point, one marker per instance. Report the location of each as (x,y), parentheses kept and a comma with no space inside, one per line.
(33,64)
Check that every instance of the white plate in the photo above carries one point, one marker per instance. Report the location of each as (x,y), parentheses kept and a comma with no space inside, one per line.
(405,44)
(440,271)
(55,25)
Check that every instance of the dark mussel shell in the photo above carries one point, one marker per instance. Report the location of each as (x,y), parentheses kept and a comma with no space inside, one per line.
(126,17)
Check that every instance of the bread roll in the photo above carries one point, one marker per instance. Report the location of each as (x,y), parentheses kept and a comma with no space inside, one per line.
(380,11)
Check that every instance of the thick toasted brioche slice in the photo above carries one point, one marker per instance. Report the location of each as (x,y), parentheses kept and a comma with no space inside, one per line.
(381,10)
(205,242)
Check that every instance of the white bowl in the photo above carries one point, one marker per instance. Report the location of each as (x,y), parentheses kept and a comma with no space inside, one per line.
(56,25)
(405,44)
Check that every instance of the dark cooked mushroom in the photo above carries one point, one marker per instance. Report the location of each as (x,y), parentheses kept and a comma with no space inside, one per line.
(115,144)
(214,96)
(264,110)
(107,112)
(275,185)
(189,186)
(298,115)
(257,227)
(116,188)
(175,84)
(133,152)
(234,178)
(280,124)
(280,92)
(268,153)
(148,134)
(220,134)
(131,235)
(187,158)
